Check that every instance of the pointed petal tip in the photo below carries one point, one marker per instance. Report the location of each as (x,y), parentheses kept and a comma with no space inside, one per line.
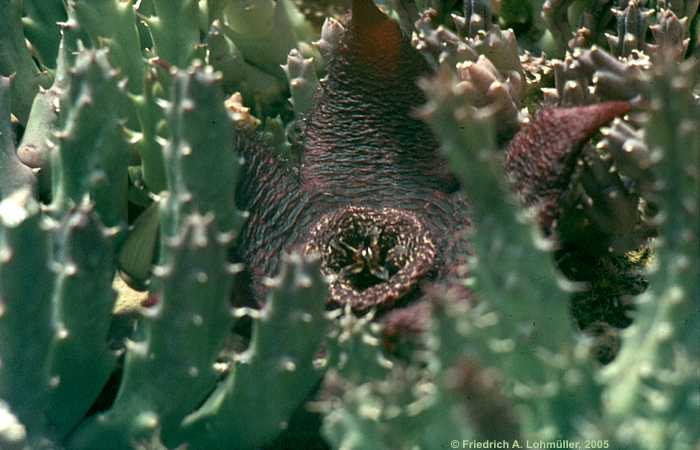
(586,120)
(376,35)
(366,13)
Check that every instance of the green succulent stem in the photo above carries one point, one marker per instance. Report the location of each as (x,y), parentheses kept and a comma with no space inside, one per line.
(26,309)
(16,59)
(652,385)
(550,375)
(13,174)
(276,373)
(175,31)
(81,360)
(91,142)
(112,23)
(42,30)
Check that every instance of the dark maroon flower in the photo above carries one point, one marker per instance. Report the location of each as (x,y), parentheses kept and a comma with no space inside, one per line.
(372,195)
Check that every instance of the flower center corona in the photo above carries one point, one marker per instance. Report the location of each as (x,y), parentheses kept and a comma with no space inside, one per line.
(375,256)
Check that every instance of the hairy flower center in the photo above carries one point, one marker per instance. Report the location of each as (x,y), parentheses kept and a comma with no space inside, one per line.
(376,256)
(365,257)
